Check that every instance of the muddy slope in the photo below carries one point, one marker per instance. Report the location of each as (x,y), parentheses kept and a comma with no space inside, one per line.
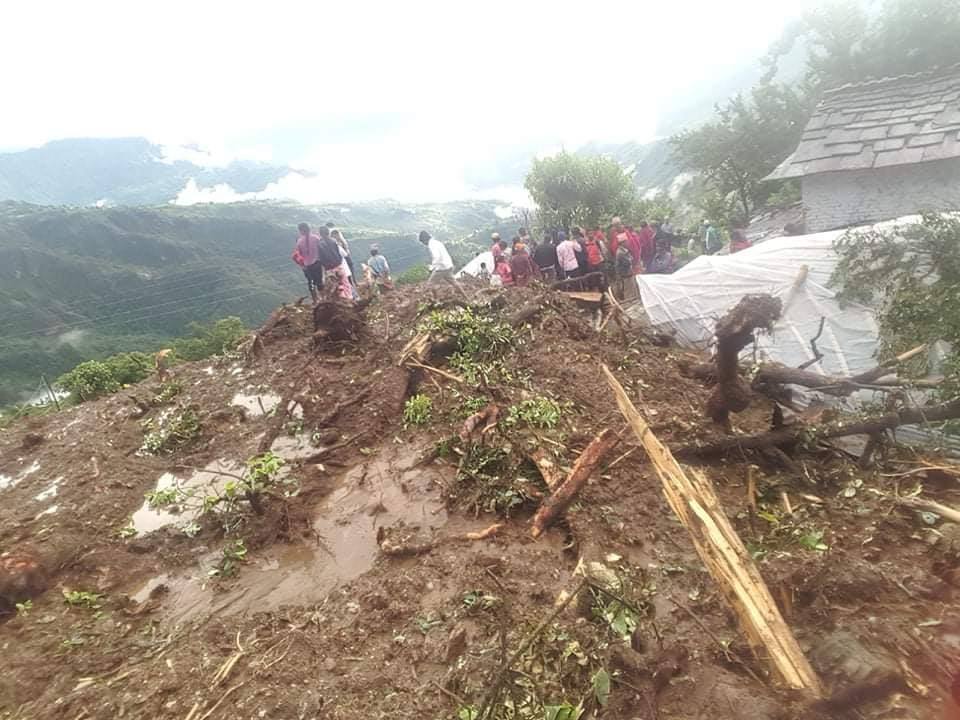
(360,593)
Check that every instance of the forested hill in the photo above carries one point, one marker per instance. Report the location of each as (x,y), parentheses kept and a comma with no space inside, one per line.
(117,171)
(76,284)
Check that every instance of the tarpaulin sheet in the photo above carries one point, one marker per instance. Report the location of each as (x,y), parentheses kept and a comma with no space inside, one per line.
(691,300)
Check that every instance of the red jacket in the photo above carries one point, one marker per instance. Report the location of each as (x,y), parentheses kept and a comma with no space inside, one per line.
(594,255)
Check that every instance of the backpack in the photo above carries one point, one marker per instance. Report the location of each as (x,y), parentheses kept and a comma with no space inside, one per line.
(624,260)
(328,254)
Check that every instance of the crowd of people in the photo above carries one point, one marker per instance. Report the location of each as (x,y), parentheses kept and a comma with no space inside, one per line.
(327,263)
(618,253)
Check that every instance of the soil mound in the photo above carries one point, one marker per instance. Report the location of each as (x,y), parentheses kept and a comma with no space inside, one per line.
(335,521)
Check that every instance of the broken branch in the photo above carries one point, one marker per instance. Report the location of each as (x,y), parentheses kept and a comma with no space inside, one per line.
(794,435)
(583,468)
(695,503)
(946,512)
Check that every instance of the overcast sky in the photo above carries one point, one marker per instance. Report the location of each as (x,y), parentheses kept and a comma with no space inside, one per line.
(409,99)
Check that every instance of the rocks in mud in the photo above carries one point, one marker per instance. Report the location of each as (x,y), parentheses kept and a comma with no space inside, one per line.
(22,577)
(31,440)
(858,675)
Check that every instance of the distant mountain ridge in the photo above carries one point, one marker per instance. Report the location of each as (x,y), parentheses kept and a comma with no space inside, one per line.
(116,171)
(81,283)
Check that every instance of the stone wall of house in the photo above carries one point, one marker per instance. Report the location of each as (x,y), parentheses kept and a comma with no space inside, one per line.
(852,197)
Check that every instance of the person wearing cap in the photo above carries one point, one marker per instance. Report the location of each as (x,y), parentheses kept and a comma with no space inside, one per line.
(441,265)
(495,247)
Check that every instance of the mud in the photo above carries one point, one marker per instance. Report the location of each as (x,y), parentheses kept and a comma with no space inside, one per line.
(318,621)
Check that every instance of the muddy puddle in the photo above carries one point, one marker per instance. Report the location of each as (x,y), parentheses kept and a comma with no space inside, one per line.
(295,447)
(387,491)
(185,509)
(262,403)
(11,481)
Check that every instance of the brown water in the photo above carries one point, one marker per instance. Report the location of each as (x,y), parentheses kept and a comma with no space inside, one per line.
(386,491)
(199,483)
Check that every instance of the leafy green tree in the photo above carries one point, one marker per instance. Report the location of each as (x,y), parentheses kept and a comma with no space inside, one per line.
(913,274)
(575,190)
(852,40)
(413,274)
(747,140)
(211,339)
(89,380)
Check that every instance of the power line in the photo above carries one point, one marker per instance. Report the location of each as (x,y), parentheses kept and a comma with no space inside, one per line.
(174,285)
(180,304)
(114,317)
(184,309)
(179,283)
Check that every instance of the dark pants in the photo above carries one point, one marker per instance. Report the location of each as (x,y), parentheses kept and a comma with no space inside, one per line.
(314,275)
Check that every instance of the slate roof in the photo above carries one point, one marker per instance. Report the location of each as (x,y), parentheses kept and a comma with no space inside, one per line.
(879,123)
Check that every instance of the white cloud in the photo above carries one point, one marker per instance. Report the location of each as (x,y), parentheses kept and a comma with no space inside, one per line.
(466,83)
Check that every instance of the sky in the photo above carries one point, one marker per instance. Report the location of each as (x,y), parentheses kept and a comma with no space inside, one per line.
(413,100)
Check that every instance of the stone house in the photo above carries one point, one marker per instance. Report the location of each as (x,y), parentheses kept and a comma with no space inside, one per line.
(880,149)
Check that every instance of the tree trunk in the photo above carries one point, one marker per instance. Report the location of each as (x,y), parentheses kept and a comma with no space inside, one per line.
(583,468)
(793,435)
(734,332)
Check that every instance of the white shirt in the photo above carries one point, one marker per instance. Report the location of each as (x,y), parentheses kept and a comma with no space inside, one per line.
(439,257)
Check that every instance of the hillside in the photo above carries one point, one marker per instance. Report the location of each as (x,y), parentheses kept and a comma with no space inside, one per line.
(309,528)
(116,171)
(82,283)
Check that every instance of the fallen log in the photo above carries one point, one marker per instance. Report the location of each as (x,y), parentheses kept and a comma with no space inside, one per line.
(949,514)
(590,280)
(555,505)
(776,374)
(734,332)
(548,468)
(695,503)
(592,299)
(792,435)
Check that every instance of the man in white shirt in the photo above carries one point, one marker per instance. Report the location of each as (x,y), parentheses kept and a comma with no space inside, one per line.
(441,266)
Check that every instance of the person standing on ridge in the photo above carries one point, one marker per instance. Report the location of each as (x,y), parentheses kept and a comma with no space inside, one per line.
(380,268)
(545,256)
(567,256)
(334,267)
(495,248)
(441,265)
(340,240)
(305,254)
(521,265)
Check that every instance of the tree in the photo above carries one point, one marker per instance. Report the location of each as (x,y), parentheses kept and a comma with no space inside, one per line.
(745,142)
(913,274)
(848,41)
(573,190)
(217,337)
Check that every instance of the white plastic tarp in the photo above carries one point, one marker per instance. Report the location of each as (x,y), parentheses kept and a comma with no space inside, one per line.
(691,300)
(472,268)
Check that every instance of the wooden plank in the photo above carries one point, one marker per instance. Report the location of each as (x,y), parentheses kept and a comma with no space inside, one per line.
(594,298)
(695,503)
